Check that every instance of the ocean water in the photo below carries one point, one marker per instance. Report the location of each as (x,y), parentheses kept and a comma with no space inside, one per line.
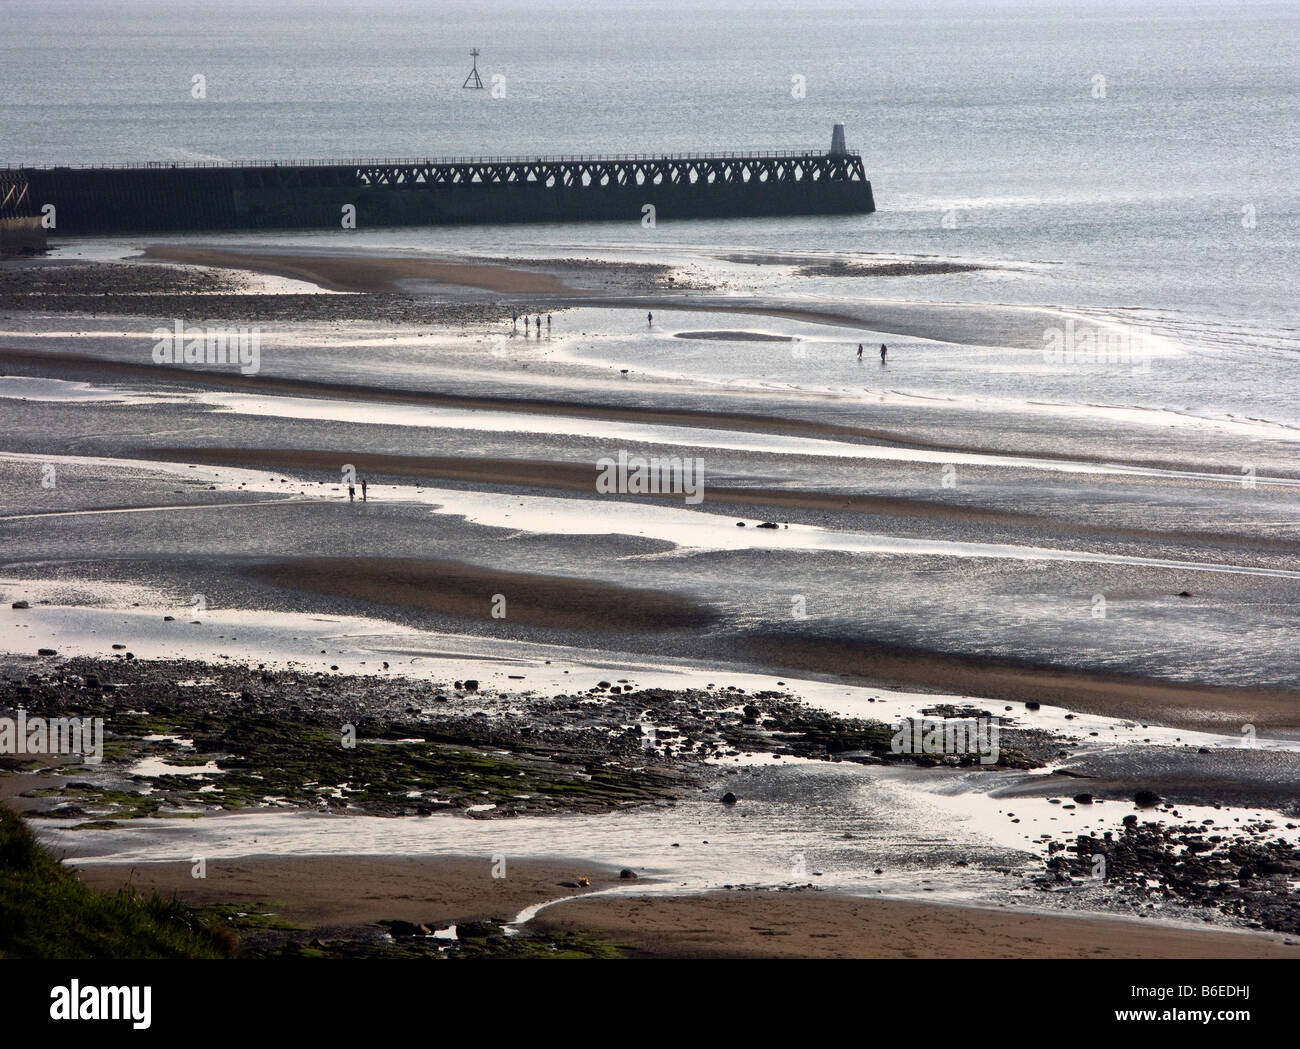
(1138,156)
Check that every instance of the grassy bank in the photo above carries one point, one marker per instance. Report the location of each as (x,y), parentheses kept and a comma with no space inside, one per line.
(45,912)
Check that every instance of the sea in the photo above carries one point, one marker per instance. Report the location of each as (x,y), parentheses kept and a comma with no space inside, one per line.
(1131,156)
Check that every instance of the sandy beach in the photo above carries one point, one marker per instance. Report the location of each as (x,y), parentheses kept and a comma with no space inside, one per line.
(321,898)
(581,477)
(822,925)
(457,589)
(360,273)
(542,279)
(862,540)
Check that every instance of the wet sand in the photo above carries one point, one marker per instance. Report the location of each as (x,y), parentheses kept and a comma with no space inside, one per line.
(365,273)
(550,475)
(825,925)
(325,894)
(972,325)
(467,591)
(344,892)
(77,366)
(1208,708)
(84,367)
(322,892)
(162,290)
(731,336)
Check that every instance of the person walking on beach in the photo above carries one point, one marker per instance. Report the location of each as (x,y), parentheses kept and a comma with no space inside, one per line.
(538,321)
(548,323)
(363,490)
(859,351)
(352,494)
(883,350)
(514,320)
(650,319)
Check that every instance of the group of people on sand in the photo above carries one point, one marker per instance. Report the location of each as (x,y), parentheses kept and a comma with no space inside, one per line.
(352,491)
(649,319)
(528,322)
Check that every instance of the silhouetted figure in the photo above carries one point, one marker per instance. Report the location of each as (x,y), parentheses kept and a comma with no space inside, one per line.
(883,350)
(548,322)
(527,322)
(514,320)
(539,325)
(859,351)
(363,490)
(352,494)
(650,319)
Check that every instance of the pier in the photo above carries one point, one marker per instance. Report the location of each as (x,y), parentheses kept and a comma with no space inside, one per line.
(315,194)
(21,232)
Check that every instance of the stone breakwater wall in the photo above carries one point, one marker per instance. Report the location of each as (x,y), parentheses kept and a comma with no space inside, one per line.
(331,194)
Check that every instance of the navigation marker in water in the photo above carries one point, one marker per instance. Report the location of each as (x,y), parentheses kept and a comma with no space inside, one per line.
(473,79)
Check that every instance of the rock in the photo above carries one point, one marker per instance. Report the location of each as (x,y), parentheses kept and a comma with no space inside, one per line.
(21,604)
(1184,593)
(1083,799)
(478,930)
(47,652)
(1146,799)
(740,524)
(769,524)
(728,798)
(169,619)
(399,930)
(471,685)
(627,874)
(1033,705)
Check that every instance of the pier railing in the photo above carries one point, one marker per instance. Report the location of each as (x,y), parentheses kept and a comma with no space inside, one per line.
(368,162)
